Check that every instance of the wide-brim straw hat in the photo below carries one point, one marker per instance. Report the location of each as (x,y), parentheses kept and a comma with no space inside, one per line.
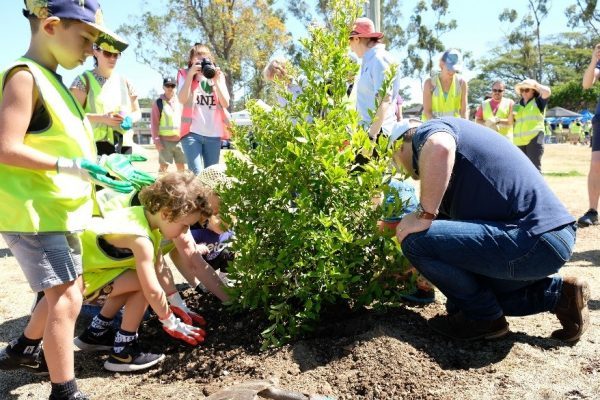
(526,83)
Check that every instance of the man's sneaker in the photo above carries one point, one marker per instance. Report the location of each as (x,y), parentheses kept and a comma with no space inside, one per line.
(33,361)
(87,341)
(589,218)
(572,309)
(75,396)
(457,326)
(132,359)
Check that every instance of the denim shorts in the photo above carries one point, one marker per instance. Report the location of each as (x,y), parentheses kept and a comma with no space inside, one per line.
(46,260)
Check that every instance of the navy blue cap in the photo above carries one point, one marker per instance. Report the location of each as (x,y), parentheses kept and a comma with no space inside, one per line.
(86,11)
(169,81)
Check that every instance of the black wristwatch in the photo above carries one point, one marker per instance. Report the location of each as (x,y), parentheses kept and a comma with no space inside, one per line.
(422,214)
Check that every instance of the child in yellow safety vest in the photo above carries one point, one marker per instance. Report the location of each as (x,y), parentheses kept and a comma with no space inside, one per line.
(47,161)
(123,266)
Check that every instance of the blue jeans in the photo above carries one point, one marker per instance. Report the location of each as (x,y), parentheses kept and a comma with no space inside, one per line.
(201,151)
(488,270)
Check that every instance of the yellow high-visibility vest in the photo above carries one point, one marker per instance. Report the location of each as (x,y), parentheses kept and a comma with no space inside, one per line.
(502,112)
(445,105)
(170,119)
(38,201)
(529,122)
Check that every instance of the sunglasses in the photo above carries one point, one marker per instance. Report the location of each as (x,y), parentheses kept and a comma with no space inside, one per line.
(525,90)
(107,53)
(497,90)
(170,86)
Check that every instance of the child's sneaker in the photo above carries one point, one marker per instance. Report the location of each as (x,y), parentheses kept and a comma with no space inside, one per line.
(87,341)
(132,359)
(32,361)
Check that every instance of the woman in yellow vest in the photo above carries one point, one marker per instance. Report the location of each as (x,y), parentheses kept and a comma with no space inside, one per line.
(445,95)
(123,265)
(528,132)
(109,100)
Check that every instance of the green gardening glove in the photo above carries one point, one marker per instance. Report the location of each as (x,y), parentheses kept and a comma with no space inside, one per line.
(120,166)
(91,172)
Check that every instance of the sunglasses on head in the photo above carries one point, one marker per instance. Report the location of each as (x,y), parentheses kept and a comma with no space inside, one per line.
(497,90)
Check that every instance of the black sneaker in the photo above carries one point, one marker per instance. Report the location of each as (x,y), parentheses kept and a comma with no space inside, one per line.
(420,296)
(87,341)
(132,359)
(589,218)
(75,396)
(32,360)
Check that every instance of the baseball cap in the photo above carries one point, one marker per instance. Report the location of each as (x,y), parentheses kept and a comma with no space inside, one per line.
(364,27)
(453,60)
(400,128)
(86,11)
(169,81)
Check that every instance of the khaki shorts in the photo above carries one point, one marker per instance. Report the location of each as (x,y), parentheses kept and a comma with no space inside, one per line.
(172,151)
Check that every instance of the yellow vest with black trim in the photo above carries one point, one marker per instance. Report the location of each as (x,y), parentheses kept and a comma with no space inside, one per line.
(38,201)
(113,96)
(99,267)
(502,112)
(445,105)
(170,118)
(529,122)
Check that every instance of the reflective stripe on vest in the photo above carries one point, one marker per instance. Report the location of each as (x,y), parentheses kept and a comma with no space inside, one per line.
(445,105)
(38,201)
(188,107)
(502,112)
(113,96)
(100,268)
(529,122)
(170,119)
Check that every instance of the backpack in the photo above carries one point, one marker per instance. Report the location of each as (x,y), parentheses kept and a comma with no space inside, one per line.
(160,105)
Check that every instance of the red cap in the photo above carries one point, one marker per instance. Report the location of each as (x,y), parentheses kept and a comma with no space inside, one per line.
(364,27)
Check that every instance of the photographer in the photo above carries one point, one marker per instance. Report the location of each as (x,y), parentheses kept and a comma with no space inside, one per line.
(203,92)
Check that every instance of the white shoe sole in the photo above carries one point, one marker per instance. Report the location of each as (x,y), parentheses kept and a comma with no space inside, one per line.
(90,347)
(131,367)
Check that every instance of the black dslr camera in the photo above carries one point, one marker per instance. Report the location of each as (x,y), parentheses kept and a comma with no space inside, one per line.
(207,68)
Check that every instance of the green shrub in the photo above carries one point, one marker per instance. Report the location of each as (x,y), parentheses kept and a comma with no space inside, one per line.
(304,217)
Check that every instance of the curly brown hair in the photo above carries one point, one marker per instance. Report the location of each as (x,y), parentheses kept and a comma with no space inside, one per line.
(178,194)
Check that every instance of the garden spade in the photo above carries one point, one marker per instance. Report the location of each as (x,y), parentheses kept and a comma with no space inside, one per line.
(266,389)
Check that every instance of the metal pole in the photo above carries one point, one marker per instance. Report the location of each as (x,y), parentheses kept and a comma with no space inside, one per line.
(375,13)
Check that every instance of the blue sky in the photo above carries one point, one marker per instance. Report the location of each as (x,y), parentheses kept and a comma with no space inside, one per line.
(478,31)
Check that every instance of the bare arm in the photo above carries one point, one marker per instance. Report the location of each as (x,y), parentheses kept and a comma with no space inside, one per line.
(221,88)
(191,264)
(427,93)
(543,90)
(143,251)
(591,74)
(186,90)
(436,161)
(379,117)
(16,109)
(464,92)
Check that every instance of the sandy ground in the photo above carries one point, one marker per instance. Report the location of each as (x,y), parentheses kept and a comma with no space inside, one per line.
(394,357)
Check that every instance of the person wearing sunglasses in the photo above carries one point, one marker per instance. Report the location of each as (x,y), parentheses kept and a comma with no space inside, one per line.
(109,100)
(497,111)
(528,132)
(445,94)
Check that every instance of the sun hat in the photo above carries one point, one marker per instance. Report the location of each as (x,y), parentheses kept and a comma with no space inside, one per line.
(364,28)
(86,11)
(453,60)
(526,83)
(214,176)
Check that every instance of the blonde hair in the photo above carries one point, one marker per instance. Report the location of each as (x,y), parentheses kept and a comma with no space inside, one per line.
(276,65)
(178,194)
(199,48)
